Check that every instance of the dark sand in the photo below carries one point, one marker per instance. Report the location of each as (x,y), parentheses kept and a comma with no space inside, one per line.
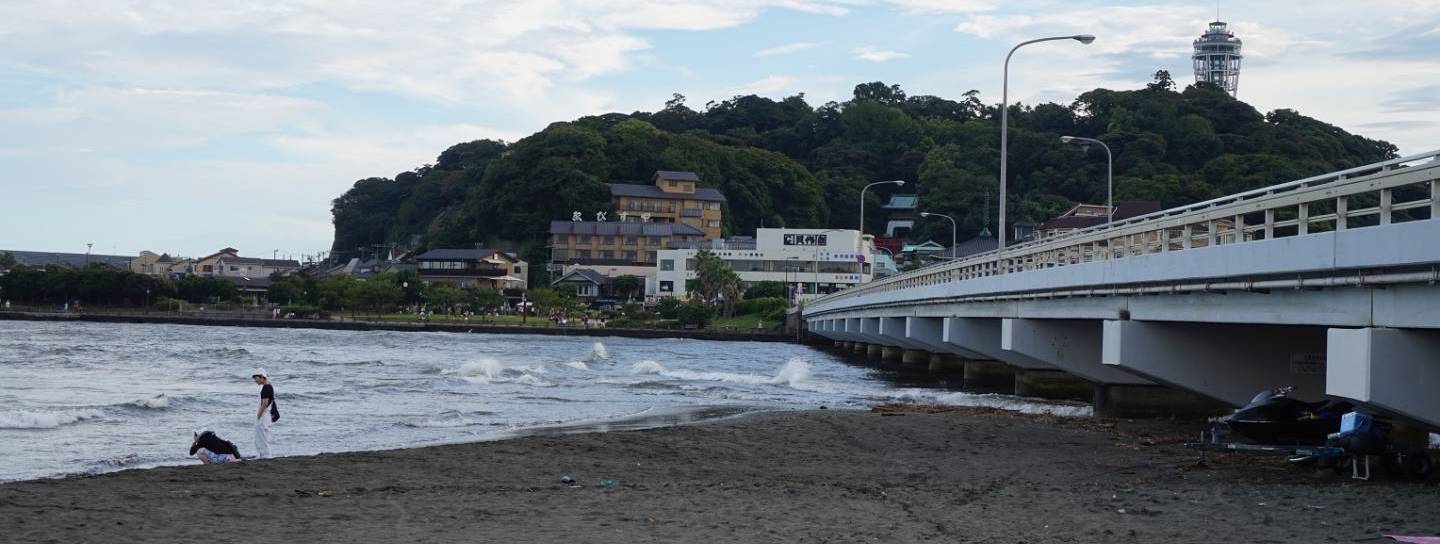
(824,476)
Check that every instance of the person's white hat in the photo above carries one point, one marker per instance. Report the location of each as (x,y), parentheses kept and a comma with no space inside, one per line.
(261,373)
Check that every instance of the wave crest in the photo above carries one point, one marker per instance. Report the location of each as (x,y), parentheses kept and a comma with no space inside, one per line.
(25,419)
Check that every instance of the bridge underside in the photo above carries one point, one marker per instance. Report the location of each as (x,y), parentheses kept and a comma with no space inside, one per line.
(1224,346)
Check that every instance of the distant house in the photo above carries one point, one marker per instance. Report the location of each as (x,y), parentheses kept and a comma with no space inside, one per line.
(590,286)
(1084,216)
(917,253)
(228,263)
(974,246)
(471,268)
(251,288)
(149,263)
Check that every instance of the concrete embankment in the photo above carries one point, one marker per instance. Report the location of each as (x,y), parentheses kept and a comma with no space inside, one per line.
(357,325)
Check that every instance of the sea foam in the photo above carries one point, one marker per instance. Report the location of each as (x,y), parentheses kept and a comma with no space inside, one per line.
(25,419)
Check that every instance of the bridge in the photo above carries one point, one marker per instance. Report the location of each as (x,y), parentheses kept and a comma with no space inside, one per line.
(1327,283)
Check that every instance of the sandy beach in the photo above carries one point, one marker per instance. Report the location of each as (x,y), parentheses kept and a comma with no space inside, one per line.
(820,476)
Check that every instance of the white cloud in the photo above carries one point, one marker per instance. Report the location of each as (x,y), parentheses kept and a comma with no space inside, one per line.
(767,85)
(941,6)
(875,54)
(787,48)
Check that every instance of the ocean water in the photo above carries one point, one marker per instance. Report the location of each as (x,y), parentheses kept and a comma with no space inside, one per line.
(97,397)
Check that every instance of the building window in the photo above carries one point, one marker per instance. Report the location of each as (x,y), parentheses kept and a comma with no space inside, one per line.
(712,205)
(667,287)
(608,240)
(712,223)
(667,265)
(653,240)
(630,256)
(584,239)
(582,254)
(234,268)
(631,240)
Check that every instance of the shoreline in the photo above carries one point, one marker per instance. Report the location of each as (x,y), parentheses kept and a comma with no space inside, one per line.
(690,334)
(804,476)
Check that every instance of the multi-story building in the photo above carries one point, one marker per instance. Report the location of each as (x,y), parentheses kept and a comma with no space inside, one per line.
(471,268)
(810,262)
(671,197)
(228,263)
(151,264)
(615,249)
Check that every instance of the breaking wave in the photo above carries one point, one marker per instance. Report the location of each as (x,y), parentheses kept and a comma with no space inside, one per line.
(488,370)
(25,419)
(597,353)
(443,420)
(157,402)
(795,374)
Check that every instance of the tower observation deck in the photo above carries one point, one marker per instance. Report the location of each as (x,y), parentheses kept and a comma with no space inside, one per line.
(1217,58)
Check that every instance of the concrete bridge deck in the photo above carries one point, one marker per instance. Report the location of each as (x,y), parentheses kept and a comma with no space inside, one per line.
(1329,283)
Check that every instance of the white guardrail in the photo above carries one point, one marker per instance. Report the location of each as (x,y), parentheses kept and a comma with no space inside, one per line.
(1394,191)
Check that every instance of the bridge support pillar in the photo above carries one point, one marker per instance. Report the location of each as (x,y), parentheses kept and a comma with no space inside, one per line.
(989,376)
(941,363)
(1153,401)
(1072,345)
(914,357)
(981,337)
(890,353)
(1394,369)
(1053,384)
(1225,362)
(837,344)
(859,348)
(874,351)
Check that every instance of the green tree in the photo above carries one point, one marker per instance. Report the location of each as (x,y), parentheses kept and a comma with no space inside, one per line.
(627,285)
(766,289)
(444,297)
(717,283)
(7,260)
(486,299)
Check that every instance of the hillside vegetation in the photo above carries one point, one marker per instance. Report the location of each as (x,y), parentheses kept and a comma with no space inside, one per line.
(786,163)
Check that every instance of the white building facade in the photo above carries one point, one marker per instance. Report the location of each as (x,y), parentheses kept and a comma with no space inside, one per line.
(810,262)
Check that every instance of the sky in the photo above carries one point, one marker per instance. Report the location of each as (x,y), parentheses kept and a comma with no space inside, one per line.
(185,127)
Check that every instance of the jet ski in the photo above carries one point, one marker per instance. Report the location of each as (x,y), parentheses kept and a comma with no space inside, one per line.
(1273,417)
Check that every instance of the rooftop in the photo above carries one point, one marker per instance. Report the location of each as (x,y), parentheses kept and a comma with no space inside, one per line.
(613,228)
(459,254)
(586,274)
(650,191)
(677,175)
(73,260)
(1123,210)
(902,202)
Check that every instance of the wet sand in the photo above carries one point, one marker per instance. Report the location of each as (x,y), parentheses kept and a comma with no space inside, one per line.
(821,476)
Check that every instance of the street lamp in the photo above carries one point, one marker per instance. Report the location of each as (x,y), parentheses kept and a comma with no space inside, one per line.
(1005,118)
(895,182)
(1109,173)
(953,229)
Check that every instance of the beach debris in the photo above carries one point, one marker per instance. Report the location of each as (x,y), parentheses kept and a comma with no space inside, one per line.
(569,481)
(1415,539)
(609,483)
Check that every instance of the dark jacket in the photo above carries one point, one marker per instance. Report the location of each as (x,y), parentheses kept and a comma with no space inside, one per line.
(209,441)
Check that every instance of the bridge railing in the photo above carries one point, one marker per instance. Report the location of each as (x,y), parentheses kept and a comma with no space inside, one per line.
(1397,190)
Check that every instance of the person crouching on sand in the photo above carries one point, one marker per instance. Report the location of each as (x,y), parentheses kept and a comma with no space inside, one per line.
(262,420)
(210,449)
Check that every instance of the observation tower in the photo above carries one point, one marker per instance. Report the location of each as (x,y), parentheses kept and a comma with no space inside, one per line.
(1217,58)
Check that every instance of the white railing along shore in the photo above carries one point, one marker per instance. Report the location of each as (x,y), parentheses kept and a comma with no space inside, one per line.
(1393,191)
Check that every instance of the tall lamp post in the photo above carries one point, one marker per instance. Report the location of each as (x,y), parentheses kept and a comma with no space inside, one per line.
(1005,118)
(895,182)
(1109,173)
(953,229)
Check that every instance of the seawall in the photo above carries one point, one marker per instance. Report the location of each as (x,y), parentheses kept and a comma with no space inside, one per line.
(349,325)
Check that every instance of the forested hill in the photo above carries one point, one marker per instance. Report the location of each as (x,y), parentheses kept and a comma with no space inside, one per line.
(786,163)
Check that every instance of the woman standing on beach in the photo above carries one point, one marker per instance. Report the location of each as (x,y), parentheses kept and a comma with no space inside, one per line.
(263,421)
